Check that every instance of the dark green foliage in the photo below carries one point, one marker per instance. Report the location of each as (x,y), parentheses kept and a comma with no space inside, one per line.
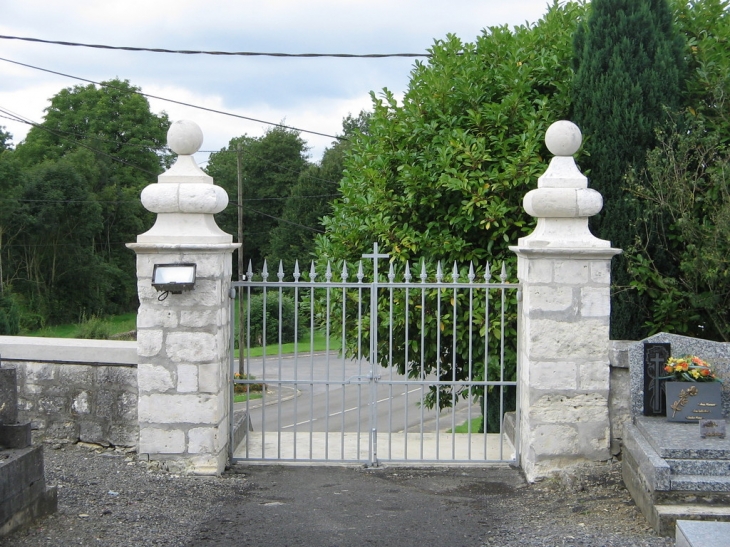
(71,202)
(442,175)
(9,316)
(629,71)
(705,26)
(292,327)
(311,199)
(685,196)
(270,167)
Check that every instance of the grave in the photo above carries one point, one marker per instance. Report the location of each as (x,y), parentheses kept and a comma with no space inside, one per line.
(671,471)
(23,493)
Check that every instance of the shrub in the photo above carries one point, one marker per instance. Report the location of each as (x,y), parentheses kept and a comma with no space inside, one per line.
(289,310)
(94,328)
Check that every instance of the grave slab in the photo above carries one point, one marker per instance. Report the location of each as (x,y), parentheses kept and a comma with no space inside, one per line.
(691,533)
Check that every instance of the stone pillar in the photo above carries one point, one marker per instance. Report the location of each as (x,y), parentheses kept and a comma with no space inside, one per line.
(182,339)
(563,340)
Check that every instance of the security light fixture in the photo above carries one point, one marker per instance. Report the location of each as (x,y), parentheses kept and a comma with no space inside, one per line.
(174,278)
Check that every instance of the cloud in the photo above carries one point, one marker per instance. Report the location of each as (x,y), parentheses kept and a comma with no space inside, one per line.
(312,94)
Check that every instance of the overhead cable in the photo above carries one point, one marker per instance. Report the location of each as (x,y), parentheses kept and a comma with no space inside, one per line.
(213,110)
(224,53)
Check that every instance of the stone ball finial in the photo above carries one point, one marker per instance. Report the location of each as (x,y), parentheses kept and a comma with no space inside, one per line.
(184,137)
(563,138)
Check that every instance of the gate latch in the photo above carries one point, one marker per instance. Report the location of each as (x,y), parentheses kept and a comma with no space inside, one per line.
(363,378)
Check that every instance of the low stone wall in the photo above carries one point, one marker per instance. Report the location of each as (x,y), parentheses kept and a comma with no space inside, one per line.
(76,390)
(619,394)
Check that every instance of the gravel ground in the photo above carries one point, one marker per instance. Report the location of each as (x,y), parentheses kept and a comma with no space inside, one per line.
(106,497)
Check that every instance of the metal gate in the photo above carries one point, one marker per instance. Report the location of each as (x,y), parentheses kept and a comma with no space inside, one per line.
(370,369)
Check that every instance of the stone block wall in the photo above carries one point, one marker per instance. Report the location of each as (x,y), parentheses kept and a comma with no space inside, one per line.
(619,395)
(76,390)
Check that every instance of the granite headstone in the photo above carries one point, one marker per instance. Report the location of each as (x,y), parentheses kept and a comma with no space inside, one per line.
(715,353)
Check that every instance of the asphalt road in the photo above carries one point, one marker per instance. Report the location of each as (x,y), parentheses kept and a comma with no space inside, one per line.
(323,392)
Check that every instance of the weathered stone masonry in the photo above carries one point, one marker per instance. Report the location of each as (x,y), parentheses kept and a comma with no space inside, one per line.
(76,390)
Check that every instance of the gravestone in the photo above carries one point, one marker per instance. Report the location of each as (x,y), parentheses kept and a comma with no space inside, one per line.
(677,470)
(23,493)
(715,353)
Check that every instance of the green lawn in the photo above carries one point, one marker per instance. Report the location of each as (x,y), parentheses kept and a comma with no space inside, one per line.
(476,423)
(113,326)
(110,326)
(243,397)
(303,346)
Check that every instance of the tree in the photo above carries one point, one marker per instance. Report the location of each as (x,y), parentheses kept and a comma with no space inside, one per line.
(311,199)
(270,167)
(113,120)
(60,276)
(5,139)
(442,175)
(110,144)
(683,190)
(628,71)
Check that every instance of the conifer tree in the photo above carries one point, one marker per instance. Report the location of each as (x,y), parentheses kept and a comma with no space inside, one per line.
(628,72)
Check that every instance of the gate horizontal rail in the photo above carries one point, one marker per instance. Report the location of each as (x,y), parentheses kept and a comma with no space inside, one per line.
(405,366)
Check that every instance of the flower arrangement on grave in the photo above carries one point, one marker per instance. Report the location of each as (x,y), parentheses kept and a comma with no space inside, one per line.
(689,369)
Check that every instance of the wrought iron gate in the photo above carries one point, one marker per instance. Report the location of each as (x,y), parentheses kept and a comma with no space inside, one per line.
(379,370)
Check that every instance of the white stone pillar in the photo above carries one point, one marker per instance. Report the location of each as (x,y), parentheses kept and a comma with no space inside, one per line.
(182,339)
(564,319)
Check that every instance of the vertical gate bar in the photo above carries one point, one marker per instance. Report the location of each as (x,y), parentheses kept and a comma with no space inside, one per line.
(312,277)
(439,277)
(470,376)
(485,390)
(344,276)
(297,275)
(328,278)
(407,279)
(391,279)
(360,276)
(264,275)
(281,322)
(247,343)
(503,277)
(455,277)
(423,345)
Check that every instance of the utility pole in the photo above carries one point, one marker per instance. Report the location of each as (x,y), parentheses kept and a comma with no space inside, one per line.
(241,340)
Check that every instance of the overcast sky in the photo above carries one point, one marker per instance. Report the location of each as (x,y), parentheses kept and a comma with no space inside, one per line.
(313,94)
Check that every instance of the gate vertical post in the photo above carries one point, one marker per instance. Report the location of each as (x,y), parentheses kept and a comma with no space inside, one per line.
(183,337)
(563,365)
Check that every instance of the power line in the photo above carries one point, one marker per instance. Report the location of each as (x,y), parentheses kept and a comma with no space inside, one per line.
(78,143)
(286,221)
(181,103)
(223,53)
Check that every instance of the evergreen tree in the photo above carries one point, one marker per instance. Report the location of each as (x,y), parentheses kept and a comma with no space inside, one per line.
(628,71)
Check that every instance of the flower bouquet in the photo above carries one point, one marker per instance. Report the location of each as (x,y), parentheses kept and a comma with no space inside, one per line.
(689,369)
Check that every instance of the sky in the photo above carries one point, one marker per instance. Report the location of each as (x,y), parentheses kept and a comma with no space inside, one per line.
(314,94)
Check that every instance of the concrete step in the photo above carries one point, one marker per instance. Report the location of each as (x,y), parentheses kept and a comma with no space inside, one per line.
(699,467)
(692,533)
(665,517)
(699,483)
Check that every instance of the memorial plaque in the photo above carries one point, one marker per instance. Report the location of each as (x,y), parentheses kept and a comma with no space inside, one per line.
(714,429)
(656,356)
(693,401)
